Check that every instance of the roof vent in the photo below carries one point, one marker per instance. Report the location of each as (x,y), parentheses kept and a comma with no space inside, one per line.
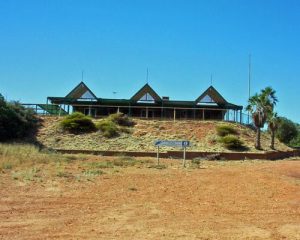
(165,98)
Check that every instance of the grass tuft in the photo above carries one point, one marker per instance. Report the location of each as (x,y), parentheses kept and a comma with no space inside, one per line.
(121,119)
(232,142)
(108,128)
(78,123)
(224,130)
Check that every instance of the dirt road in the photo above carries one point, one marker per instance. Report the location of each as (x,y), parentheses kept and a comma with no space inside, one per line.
(220,200)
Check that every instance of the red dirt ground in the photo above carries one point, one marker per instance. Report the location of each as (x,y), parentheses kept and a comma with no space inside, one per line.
(220,200)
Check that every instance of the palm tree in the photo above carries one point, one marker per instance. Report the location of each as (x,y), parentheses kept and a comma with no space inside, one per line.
(260,106)
(272,125)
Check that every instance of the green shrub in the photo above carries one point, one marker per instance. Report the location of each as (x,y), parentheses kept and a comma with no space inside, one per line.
(108,128)
(286,131)
(224,130)
(121,119)
(232,142)
(16,121)
(77,123)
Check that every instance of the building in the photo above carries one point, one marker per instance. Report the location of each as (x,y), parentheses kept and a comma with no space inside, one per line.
(146,103)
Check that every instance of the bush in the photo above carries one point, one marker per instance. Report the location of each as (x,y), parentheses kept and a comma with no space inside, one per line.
(224,130)
(108,128)
(78,123)
(295,142)
(16,121)
(121,119)
(286,131)
(232,142)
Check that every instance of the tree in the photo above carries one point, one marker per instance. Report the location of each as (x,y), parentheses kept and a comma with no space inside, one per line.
(15,121)
(272,125)
(287,130)
(260,106)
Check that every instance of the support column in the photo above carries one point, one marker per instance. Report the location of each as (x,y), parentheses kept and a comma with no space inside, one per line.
(203,113)
(129,111)
(241,117)
(146,112)
(174,114)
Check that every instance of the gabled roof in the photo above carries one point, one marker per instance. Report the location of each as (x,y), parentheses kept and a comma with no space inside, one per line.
(143,91)
(212,94)
(80,90)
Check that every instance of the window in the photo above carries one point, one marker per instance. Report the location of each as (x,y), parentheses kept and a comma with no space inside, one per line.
(147,98)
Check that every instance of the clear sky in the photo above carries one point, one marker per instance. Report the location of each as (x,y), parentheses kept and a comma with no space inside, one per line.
(45,45)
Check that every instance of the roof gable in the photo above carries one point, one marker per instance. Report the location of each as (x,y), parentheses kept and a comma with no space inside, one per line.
(146,93)
(81,91)
(211,95)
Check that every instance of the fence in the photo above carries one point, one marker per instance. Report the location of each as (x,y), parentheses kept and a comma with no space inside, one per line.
(143,112)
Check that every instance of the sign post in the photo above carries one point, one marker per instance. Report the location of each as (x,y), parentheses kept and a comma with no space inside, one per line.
(183,163)
(166,143)
(157,155)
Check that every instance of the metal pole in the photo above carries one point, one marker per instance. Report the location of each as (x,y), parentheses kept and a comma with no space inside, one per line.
(184,156)
(157,156)
(249,85)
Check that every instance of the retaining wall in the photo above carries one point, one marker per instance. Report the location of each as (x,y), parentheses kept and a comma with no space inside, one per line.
(274,155)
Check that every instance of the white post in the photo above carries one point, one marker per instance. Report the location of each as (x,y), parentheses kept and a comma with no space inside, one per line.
(184,156)
(157,155)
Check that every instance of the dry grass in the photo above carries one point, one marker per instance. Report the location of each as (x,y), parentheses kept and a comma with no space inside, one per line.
(202,134)
(26,163)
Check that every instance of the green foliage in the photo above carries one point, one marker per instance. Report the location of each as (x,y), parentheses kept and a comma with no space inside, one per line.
(232,142)
(77,123)
(261,106)
(108,128)
(286,131)
(295,142)
(121,119)
(224,130)
(16,121)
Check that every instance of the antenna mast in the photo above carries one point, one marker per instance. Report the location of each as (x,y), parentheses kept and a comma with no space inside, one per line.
(82,75)
(249,85)
(249,80)
(147,76)
(211,79)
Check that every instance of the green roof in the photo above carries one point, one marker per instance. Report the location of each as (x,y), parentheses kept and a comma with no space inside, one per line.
(210,98)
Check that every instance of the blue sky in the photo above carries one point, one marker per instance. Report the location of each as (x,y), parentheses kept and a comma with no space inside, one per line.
(45,45)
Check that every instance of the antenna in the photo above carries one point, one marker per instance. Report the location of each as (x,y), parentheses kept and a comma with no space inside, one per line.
(82,75)
(211,80)
(249,85)
(249,80)
(147,76)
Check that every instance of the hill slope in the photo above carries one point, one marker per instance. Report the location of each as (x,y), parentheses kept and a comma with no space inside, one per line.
(202,135)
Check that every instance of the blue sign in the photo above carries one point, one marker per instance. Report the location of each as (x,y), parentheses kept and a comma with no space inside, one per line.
(171,143)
